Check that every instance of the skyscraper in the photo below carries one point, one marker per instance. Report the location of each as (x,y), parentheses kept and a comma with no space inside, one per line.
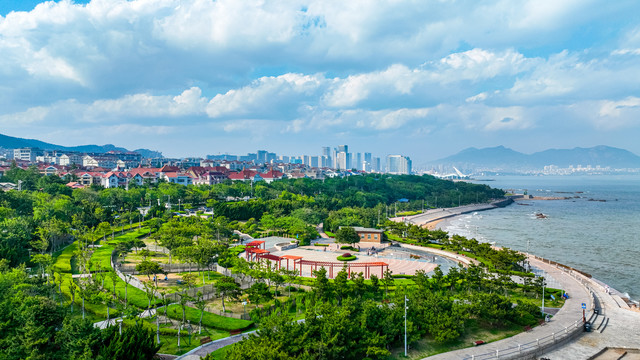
(398,164)
(343,158)
(326,153)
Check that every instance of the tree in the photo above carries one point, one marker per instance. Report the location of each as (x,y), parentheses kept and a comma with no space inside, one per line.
(227,287)
(258,292)
(149,268)
(200,305)
(136,342)
(387,281)
(321,284)
(347,235)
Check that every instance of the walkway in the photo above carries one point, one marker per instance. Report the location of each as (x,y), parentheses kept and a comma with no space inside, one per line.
(113,321)
(563,322)
(443,213)
(617,327)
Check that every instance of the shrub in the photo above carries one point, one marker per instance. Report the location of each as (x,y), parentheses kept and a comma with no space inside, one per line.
(346,257)
(316,244)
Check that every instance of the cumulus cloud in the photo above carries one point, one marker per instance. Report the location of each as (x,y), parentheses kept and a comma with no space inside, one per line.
(267,96)
(272,68)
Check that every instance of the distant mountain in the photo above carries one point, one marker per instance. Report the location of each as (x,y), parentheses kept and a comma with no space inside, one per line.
(151,154)
(10,142)
(505,159)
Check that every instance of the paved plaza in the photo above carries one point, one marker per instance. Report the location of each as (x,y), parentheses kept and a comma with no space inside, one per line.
(405,265)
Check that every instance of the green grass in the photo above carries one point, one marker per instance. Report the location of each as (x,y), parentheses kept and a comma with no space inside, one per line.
(135,296)
(62,262)
(169,336)
(409,213)
(209,320)
(330,234)
(102,255)
(100,310)
(472,332)
(220,354)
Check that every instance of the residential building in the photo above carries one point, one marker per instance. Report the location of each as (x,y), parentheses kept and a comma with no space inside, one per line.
(398,164)
(69,159)
(27,154)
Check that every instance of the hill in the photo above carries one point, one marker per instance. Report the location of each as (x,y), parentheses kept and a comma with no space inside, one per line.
(10,142)
(503,159)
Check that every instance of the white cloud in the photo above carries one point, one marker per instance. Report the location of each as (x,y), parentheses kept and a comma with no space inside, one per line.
(395,80)
(266,95)
(320,67)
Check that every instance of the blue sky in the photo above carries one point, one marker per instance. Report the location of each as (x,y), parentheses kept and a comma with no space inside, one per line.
(421,78)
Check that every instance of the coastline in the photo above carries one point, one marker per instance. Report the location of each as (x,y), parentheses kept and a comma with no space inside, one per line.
(445,223)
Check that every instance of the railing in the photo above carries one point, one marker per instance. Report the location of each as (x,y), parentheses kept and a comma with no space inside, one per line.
(533,348)
(538,347)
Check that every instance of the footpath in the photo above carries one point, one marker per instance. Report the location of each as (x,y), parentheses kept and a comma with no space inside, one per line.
(566,324)
(432,215)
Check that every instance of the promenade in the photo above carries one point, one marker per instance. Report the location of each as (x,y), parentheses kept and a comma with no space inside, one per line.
(562,324)
(432,215)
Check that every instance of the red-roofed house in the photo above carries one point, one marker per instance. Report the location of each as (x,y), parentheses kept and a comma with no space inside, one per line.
(272,175)
(205,176)
(245,175)
(177,178)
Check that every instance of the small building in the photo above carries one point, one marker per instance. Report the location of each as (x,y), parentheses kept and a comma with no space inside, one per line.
(369,234)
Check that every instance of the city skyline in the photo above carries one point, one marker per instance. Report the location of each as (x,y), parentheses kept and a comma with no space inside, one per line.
(198,77)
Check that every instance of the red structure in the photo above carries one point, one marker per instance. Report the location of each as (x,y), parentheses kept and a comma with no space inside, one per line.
(256,244)
(295,259)
(252,254)
(315,265)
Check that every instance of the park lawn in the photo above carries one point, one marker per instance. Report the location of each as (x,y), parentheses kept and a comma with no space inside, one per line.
(209,320)
(100,310)
(63,258)
(221,354)
(519,295)
(409,213)
(102,255)
(135,257)
(427,347)
(135,296)
(169,336)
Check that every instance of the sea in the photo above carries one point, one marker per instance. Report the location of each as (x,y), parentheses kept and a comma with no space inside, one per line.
(596,230)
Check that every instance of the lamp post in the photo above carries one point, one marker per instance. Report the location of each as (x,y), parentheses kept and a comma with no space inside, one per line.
(405,325)
(119,326)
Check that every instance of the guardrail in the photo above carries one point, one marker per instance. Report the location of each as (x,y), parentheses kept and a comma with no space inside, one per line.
(534,348)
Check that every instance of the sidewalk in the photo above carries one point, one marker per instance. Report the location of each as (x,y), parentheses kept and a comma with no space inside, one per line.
(564,321)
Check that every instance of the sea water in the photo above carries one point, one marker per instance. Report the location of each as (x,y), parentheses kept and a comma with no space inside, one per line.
(597,230)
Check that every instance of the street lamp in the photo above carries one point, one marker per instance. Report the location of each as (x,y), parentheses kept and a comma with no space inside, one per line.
(119,326)
(405,325)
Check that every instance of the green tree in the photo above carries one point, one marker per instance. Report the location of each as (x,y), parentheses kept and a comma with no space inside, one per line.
(149,268)
(227,287)
(347,235)
(136,342)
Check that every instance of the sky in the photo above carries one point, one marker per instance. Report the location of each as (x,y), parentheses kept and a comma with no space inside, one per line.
(423,78)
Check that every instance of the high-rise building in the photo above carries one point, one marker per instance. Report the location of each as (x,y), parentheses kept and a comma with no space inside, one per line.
(358,164)
(261,156)
(376,164)
(326,152)
(343,158)
(398,164)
